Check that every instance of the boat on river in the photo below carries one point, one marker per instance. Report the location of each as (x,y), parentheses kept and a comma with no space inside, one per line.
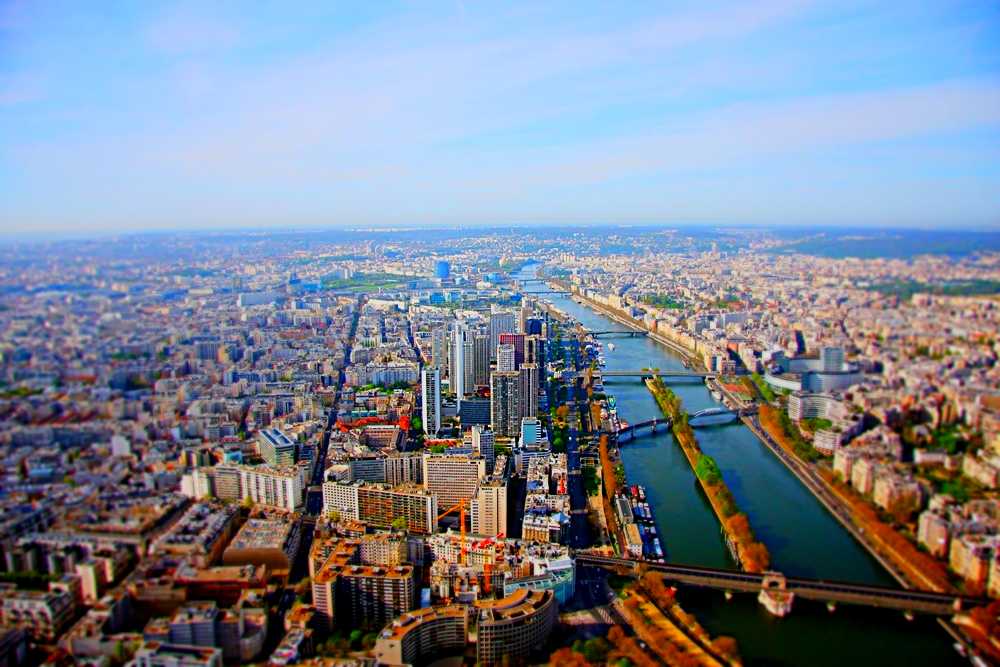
(611,347)
(716,394)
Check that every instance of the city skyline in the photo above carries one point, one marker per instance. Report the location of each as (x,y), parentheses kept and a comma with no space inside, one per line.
(767,113)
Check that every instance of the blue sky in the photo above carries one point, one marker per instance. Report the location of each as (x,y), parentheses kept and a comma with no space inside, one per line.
(149,116)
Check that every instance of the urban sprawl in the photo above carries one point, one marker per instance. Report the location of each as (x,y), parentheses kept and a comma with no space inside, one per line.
(391,446)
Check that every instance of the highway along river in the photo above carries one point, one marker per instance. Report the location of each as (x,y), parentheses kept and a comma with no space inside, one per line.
(803,538)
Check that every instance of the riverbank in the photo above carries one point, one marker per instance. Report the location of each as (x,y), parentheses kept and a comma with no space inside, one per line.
(844,514)
(753,555)
(625,320)
(815,487)
(661,635)
(805,540)
(827,496)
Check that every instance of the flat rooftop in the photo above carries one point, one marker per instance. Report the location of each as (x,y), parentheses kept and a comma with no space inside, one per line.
(414,619)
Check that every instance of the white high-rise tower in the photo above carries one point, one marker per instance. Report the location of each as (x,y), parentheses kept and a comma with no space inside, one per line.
(430,388)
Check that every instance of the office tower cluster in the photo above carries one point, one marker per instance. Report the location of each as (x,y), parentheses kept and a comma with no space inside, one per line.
(501,355)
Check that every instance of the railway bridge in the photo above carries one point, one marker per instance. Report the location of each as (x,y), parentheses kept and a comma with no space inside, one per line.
(831,592)
(630,333)
(648,373)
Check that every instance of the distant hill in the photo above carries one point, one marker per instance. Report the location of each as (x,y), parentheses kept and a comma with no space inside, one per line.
(888,243)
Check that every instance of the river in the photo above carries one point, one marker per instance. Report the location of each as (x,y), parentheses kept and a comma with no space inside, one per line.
(803,538)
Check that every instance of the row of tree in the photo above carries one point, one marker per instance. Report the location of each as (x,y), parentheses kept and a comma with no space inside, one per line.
(654,585)
(753,555)
(339,646)
(922,569)
(656,637)
(779,426)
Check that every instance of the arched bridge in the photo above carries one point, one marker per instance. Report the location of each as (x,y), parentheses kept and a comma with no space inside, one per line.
(713,416)
(628,434)
(832,592)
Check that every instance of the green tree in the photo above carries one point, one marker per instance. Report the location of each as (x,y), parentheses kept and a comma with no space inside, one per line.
(596,650)
(438,449)
(249,502)
(417,423)
(304,589)
(400,523)
(355,638)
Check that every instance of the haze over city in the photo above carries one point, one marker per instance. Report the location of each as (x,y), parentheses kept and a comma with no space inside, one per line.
(478,334)
(769,112)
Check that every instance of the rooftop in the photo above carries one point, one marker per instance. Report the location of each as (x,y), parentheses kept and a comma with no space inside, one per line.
(414,619)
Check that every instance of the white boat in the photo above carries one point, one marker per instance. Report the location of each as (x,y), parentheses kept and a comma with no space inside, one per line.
(778,602)
(611,347)
(717,395)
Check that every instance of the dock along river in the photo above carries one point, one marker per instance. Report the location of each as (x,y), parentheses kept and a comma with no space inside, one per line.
(803,538)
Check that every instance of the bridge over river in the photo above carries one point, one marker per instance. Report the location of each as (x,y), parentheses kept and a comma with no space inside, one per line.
(647,373)
(628,433)
(631,333)
(831,592)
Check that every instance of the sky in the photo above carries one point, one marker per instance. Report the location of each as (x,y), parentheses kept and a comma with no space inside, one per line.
(208,115)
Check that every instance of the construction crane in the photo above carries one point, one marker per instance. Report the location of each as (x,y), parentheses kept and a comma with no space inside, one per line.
(461,521)
(490,560)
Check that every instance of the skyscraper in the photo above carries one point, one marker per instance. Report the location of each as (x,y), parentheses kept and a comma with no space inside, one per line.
(534,353)
(528,390)
(524,313)
(439,347)
(517,340)
(505,403)
(481,376)
(506,359)
(430,390)
(468,364)
(500,322)
(484,444)
(456,377)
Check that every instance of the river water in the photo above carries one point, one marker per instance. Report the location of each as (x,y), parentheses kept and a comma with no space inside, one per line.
(803,538)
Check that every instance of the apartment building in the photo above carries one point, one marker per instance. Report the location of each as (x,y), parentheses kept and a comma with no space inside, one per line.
(453,478)
(277,449)
(283,488)
(380,504)
(348,595)
(505,403)
(158,654)
(42,614)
